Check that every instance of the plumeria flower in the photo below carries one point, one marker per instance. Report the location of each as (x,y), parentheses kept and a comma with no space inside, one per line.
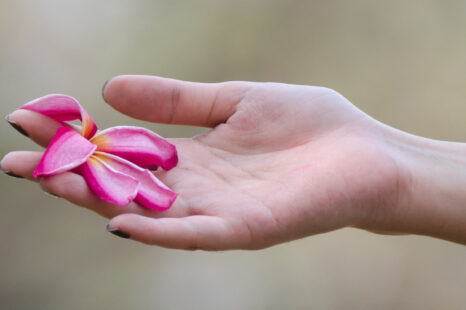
(114,162)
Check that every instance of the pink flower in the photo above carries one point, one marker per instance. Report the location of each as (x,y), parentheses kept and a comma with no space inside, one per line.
(114,162)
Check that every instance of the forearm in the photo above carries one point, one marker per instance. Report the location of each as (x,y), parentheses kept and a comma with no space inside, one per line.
(434,198)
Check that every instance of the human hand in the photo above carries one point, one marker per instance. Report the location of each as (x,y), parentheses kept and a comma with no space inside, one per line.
(280,163)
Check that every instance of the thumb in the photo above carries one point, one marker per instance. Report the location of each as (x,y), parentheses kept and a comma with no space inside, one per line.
(170,101)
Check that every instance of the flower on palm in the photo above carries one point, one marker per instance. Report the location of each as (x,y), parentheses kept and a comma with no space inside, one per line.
(115,162)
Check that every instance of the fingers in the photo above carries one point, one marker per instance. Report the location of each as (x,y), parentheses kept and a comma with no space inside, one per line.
(21,163)
(189,233)
(73,188)
(39,128)
(171,101)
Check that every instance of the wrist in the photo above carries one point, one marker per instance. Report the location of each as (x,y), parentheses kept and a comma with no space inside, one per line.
(438,191)
(431,199)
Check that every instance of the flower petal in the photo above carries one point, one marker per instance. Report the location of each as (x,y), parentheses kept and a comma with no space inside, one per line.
(107,183)
(138,145)
(67,150)
(63,108)
(153,194)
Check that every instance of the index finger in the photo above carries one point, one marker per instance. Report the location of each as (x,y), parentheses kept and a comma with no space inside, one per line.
(41,129)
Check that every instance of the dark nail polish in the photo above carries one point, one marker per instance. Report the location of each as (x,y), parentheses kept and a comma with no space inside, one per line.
(11,174)
(103,88)
(118,233)
(16,126)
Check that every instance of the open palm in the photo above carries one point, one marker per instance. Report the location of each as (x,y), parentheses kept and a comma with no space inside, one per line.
(281,162)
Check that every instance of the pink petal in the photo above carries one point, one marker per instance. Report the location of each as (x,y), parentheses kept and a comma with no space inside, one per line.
(63,108)
(138,145)
(153,194)
(107,183)
(67,151)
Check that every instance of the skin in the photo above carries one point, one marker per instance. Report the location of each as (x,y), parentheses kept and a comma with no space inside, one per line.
(281,162)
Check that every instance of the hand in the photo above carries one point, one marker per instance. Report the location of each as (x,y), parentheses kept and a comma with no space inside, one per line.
(280,163)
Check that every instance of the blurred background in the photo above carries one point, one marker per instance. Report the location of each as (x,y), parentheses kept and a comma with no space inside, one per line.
(403,62)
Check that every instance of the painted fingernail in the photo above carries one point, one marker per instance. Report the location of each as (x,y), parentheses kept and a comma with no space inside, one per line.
(118,233)
(103,88)
(11,174)
(16,126)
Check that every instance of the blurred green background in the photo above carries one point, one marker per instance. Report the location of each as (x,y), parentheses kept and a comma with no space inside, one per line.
(403,62)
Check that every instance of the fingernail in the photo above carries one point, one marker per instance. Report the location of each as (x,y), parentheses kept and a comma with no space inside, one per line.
(11,174)
(47,192)
(118,233)
(103,88)
(16,126)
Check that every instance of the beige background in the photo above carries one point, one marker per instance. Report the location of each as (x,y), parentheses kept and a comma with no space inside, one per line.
(403,62)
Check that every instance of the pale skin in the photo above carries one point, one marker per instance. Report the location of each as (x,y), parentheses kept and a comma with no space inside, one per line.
(280,162)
